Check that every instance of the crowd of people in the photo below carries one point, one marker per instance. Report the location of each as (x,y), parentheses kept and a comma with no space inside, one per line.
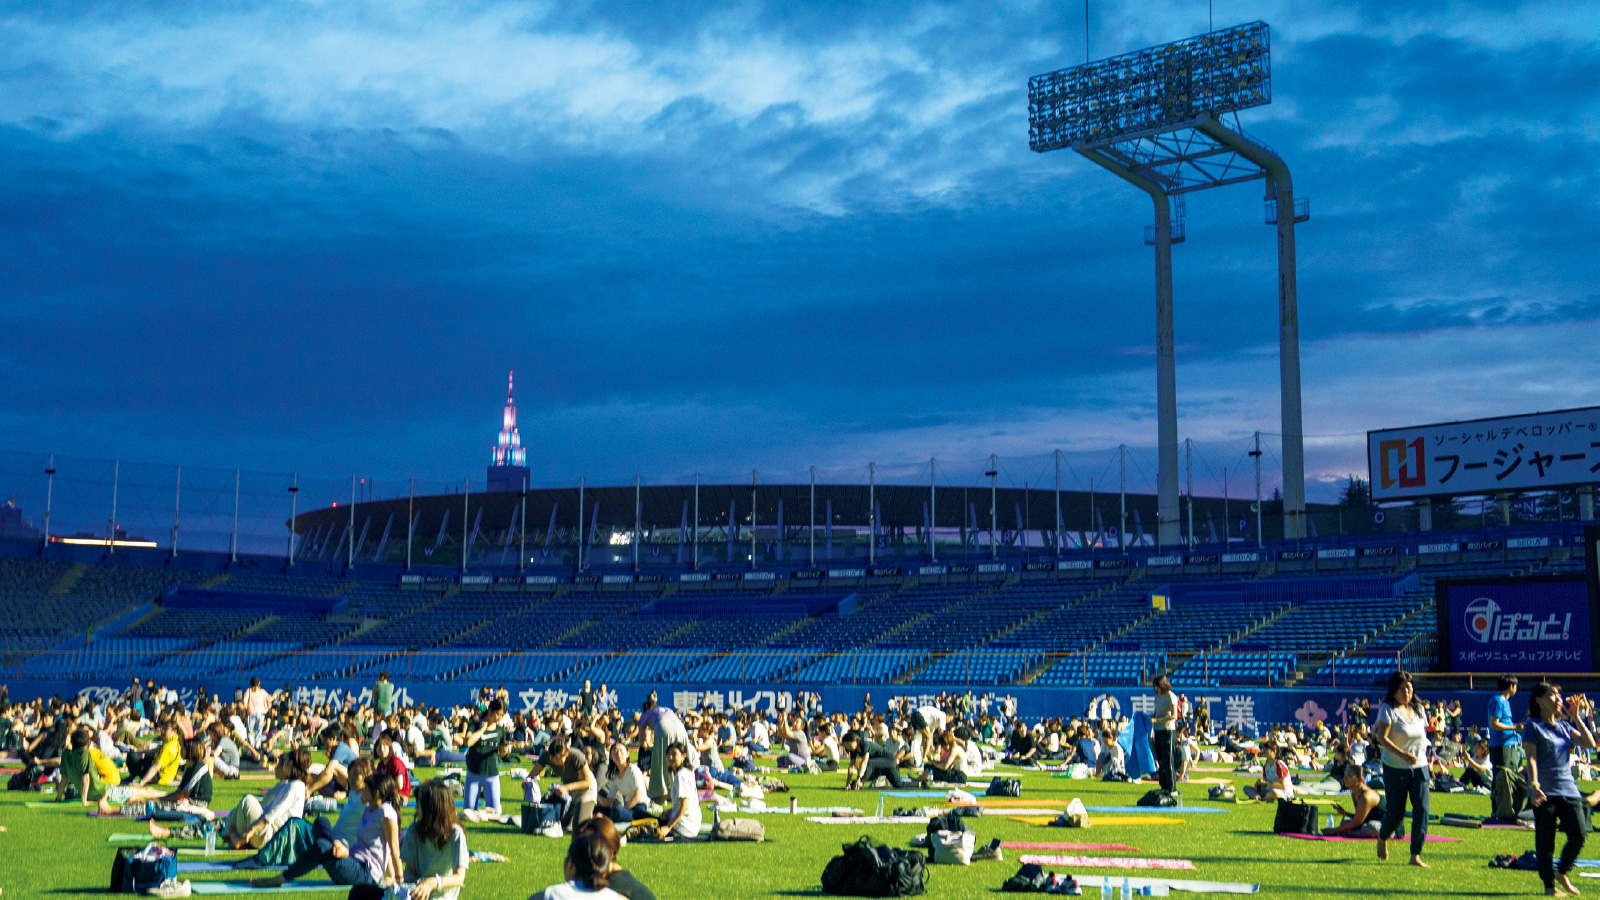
(612,769)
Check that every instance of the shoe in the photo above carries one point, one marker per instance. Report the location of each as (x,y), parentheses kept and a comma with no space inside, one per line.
(988,851)
(172,887)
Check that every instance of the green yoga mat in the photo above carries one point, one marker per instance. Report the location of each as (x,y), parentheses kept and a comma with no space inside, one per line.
(46,804)
(129,838)
(243,887)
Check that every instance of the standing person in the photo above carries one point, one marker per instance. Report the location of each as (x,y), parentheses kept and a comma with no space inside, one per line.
(483,760)
(383,695)
(1162,723)
(1401,730)
(1202,717)
(1551,734)
(256,703)
(667,731)
(1503,731)
(586,699)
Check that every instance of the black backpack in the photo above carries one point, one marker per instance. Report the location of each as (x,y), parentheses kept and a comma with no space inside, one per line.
(1158,797)
(1294,818)
(1004,787)
(947,821)
(27,779)
(1030,879)
(866,869)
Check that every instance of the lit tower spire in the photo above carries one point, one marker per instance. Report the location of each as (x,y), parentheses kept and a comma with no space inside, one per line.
(509,451)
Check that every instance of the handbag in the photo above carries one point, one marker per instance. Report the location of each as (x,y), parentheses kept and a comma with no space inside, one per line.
(952,847)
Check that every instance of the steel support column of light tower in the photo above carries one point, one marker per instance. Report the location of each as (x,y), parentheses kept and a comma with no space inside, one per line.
(1156,118)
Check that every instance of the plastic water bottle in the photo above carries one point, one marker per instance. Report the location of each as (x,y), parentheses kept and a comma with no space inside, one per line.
(1105,887)
(1330,822)
(880,806)
(211,839)
(1127,888)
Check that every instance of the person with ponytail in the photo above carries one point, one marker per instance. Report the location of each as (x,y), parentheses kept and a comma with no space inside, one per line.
(1549,735)
(587,870)
(1401,730)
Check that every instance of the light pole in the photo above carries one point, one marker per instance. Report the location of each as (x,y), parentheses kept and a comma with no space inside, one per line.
(994,513)
(294,500)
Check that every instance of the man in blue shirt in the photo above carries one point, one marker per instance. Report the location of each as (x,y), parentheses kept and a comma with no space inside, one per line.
(1503,730)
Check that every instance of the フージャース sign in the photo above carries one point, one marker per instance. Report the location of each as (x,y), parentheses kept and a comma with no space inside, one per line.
(1516,625)
(1511,453)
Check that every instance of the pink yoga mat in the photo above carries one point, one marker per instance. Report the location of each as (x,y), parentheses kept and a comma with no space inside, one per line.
(1339,837)
(1031,845)
(1108,862)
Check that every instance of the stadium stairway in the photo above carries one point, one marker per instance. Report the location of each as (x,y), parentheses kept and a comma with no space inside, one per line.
(69,579)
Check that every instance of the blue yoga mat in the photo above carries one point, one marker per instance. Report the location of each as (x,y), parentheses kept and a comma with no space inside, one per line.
(915,793)
(213,865)
(243,887)
(1162,810)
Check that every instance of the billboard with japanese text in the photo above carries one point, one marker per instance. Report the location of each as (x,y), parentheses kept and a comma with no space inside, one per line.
(1486,456)
(1515,625)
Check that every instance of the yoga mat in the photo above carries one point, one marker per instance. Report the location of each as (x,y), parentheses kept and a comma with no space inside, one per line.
(127,838)
(1108,862)
(1192,781)
(914,793)
(243,887)
(1052,813)
(212,866)
(1113,820)
(47,804)
(810,810)
(1003,802)
(1339,837)
(1174,884)
(221,851)
(869,820)
(1145,809)
(1031,845)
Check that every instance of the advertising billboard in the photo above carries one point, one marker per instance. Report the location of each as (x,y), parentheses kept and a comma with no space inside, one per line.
(1516,625)
(1485,456)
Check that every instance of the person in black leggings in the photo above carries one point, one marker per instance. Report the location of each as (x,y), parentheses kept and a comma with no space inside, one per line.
(1163,721)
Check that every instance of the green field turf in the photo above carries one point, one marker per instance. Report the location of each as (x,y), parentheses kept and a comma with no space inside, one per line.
(50,853)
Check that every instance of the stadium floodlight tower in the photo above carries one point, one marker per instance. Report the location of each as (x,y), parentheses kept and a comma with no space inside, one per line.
(1166,119)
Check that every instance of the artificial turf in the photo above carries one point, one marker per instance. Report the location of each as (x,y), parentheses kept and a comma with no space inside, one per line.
(56,853)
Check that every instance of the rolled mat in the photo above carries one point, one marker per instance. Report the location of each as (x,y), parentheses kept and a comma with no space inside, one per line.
(869,820)
(1033,845)
(243,887)
(215,866)
(1173,884)
(1107,862)
(1145,809)
(1103,820)
(1439,838)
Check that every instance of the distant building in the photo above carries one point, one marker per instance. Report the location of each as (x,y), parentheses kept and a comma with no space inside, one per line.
(12,524)
(508,466)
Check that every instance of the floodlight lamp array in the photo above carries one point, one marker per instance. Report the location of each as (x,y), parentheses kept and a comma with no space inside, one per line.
(1152,89)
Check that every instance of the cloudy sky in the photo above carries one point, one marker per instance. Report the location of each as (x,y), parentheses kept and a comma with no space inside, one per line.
(722,236)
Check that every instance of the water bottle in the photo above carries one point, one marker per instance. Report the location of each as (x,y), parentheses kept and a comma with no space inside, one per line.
(880,806)
(1127,888)
(530,790)
(211,839)
(1105,887)
(1330,822)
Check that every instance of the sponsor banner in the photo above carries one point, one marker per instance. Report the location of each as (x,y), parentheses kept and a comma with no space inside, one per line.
(760,576)
(809,575)
(1482,456)
(847,573)
(1481,546)
(1039,566)
(694,577)
(587,579)
(1246,708)
(1525,543)
(1117,562)
(617,579)
(477,579)
(410,579)
(885,572)
(1067,565)
(1518,626)
(727,576)
(993,567)
(1169,560)
(1337,553)
(1296,555)
(1241,557)
(931,570)
(962,570)
(1445,547)
(649,578)
(1202,559)
(1380,551)
(541,579)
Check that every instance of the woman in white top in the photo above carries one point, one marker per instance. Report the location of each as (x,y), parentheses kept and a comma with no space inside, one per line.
(1401,730)
(624,798)
(683,816)
(586,867)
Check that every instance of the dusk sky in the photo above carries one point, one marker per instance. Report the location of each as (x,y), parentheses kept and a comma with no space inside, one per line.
(716,237)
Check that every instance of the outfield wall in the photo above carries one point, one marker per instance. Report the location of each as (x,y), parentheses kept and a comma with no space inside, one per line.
(1246,707)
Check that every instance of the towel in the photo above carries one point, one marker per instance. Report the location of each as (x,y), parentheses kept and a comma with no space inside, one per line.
(869,820)
(1034,845)
(1107,862)
(1174,884)
(1339,837)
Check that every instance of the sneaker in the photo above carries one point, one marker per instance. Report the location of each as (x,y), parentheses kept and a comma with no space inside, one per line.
(471,815)
(988,851)
(172,887)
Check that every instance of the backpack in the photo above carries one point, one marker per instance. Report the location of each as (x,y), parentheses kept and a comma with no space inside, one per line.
(1294,818)
(947,821)
(1029,879)
(865,869)
(749,830)
(536,817)
(1159,797)
(1222,792)
(136,871)
(27,779)
(952,847)
(1004,787)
